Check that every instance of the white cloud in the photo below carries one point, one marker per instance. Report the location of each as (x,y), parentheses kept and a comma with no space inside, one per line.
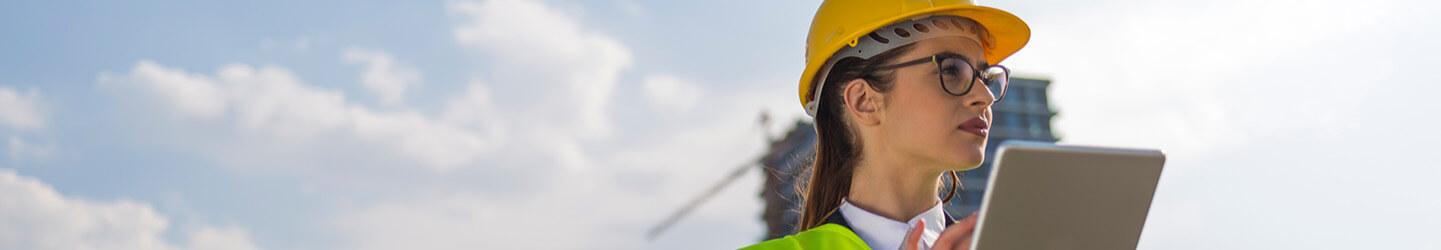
(37,217)
(22,115)
(563,67)
(274,113)
(190,95)
(608,206)
(21,110)
(604,196)
(474,108)
(558,82)
(539,117)
(668,93)
(216,238)
(382,75)
(1283,120)
(468,223)
(1189,72)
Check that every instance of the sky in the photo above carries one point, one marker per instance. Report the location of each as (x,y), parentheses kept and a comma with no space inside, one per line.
(558,124)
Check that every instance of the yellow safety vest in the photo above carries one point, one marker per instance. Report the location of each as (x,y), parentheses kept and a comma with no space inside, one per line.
(828,236)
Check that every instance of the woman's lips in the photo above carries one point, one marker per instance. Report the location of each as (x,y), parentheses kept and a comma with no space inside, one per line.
(976,126)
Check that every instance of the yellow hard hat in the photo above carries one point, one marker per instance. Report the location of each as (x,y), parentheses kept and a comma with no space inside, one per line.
(841,23)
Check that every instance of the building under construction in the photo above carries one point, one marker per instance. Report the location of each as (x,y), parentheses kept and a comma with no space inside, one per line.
(1025,114)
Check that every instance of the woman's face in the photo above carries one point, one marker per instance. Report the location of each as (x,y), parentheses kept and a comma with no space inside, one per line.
(925,123)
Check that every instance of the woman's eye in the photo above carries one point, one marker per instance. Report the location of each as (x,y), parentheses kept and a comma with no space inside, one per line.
(951,70)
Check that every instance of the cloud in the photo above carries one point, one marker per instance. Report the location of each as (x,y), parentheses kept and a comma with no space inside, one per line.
(22,115)
(667,93)
(469,223)
(37,217)
(558,84)
(382,75)
(274,113)
(1275,115)
(21,110)
(216,238)
(551,59)
(607,206)
(528,141)
(191,95)
(1191,72)
(606,191)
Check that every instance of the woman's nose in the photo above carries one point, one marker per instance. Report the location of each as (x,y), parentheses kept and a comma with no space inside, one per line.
(980,96)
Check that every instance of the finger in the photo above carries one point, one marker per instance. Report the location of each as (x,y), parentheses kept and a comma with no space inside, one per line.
(966,242)
(914,237)
(955,236)
(970,221)
(969,238)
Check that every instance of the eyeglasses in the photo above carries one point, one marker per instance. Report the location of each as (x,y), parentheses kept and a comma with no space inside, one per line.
(956,74)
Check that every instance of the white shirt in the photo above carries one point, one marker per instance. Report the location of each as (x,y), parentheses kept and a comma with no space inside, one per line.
(883,233)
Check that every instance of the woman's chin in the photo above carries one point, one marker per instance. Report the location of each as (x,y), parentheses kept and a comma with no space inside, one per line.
(968,166)
(968,162)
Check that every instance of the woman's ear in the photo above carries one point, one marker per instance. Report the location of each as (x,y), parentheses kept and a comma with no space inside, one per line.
(862,102)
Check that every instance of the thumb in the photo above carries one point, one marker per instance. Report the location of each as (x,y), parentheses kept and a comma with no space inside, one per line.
(958,235)
(913,238)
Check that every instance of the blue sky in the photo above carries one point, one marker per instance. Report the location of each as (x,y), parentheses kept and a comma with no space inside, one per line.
(579,124)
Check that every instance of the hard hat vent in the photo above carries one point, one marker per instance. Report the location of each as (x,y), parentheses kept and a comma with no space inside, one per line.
(921,27)
(902,32)
(879,38)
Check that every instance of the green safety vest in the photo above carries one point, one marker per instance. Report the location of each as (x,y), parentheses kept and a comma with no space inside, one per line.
(835,234)
(828,236)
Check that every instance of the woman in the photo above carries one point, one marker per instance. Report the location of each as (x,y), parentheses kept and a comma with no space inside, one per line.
(901,92)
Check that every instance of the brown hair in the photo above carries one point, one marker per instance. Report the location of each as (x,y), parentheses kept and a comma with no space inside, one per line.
(837,151)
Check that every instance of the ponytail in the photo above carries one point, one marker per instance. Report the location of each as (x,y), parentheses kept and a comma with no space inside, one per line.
(837,150)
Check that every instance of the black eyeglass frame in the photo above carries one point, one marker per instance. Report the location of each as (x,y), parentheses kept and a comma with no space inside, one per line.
(937,59)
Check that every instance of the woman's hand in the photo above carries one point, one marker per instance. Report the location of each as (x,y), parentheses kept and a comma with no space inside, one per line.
(957,236)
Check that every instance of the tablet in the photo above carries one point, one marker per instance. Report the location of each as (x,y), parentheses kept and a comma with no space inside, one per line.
(1047,196)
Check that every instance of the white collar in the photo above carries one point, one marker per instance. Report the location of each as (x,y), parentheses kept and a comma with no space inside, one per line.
(883,233)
